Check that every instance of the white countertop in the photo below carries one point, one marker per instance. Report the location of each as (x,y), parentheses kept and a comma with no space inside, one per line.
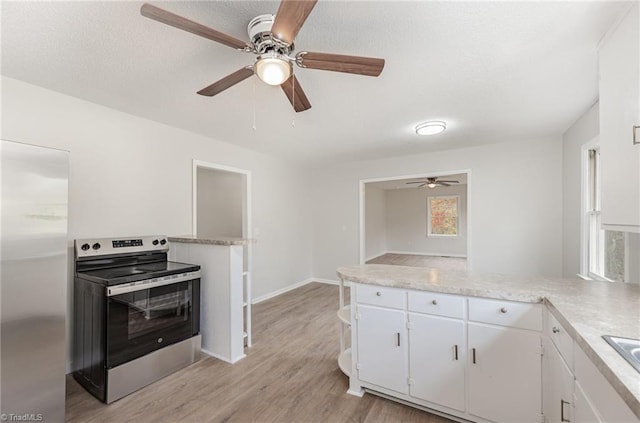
(588,309)
(190,239)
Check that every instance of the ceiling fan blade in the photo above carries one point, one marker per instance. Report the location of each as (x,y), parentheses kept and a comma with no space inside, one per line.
(442,183)
(420,186)
(340,63)
(290,17)
(416,182)
(226,82)
(294,93)
(152,12)
(451,182)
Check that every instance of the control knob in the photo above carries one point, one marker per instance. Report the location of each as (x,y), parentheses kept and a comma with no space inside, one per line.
(155,242)
(96,246)
(85,247)
(162,242)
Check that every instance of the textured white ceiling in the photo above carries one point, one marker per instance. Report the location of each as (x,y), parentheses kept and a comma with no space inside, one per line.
(495,71)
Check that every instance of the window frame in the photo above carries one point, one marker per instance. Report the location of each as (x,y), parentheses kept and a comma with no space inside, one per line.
(429,229)
(592,242)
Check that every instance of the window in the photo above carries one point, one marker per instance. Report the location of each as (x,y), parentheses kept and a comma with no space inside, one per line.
(442,216)
(604,250)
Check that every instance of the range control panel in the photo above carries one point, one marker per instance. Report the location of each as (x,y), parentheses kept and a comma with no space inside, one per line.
(106,246)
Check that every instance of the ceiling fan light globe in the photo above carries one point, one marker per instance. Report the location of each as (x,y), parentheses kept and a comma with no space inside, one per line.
(273,69)
(431,185)
(431,128)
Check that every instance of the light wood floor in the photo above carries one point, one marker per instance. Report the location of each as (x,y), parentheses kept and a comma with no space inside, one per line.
(289,375)
(446,263)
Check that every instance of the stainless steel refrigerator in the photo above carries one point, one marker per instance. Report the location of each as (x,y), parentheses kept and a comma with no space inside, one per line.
(33,282)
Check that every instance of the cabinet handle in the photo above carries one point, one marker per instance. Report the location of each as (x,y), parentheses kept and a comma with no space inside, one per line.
(555,330)
(379,294)
(503,310)
(473,355)
(455,352)
(397,339)
(562,418)
(636,139)
(434,302)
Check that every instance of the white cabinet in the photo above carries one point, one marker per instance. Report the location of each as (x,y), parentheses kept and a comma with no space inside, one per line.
(504,373)
(436,360)
(382,347)
(583,410)
(557,382)
(619,59)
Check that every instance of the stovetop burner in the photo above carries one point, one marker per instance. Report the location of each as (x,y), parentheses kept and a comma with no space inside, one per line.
(118,275)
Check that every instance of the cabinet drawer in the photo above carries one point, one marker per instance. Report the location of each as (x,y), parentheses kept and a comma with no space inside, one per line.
(438,304)
(560,338)
(506,313)
(380,296)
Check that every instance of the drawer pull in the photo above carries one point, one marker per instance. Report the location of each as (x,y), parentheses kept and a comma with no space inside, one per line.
(434,302)
(562,418)
(455,352)
(636,140)
(397,339)
(379,294)
(503,310)
(555,330)
(473,355)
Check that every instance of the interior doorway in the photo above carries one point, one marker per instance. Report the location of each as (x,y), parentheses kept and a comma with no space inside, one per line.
(418,220)
(222,209)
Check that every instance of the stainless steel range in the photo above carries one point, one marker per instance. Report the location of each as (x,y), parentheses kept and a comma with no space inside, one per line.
(136,315)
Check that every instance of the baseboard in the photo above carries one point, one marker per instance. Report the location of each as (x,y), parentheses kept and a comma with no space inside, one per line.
(327,281)
(413,253)
(376,256)
(281,291)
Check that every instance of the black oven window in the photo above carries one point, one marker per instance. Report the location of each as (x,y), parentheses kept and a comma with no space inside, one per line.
(153,309)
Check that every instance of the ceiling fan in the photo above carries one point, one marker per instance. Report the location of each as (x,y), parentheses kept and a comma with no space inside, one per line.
(272,42)
(434,182)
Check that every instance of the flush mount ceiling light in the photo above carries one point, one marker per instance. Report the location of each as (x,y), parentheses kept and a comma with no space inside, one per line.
(431,128)
(273,68)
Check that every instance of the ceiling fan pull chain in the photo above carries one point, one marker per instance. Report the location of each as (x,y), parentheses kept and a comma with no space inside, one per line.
(293,101)
(254,105)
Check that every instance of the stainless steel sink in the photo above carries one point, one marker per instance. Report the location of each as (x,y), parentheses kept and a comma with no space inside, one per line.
(627,347)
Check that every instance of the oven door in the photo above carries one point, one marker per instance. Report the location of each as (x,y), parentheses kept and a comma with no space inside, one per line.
(145,316)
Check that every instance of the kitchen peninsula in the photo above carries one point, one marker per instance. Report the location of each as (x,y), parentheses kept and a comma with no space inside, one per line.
(225,307)
(493,347)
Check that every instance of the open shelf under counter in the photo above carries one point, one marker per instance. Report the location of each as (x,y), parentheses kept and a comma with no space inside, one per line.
(344,314)
(344,362)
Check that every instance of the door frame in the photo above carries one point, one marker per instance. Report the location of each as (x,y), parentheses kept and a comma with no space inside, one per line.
(361,200)
(247,225)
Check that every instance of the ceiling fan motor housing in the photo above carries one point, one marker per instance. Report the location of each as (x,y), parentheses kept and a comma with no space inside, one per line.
(259,30)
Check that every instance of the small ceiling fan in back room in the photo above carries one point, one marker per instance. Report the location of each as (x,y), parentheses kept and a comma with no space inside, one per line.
(433,182)
(271,40)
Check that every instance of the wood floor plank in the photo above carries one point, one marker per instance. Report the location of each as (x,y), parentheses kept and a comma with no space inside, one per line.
(290,374)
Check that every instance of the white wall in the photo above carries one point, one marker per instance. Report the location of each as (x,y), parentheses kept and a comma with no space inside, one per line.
(407,222)
(132,176)
(375,212)
(219,195)
(582,131)
(515,205)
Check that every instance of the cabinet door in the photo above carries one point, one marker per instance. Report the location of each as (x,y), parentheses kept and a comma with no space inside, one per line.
(505,374)
(436,360)
(584,411)
(619,112)
(382,351)
(557,382)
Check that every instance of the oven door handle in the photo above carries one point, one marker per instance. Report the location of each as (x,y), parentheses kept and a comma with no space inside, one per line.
(151,283)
